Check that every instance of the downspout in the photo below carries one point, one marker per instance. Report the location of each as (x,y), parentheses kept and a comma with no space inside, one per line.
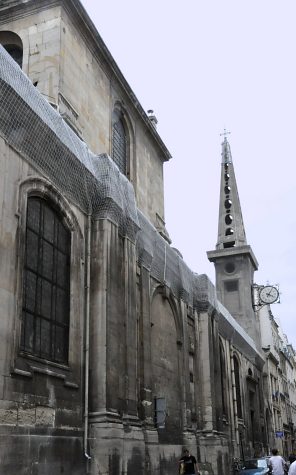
(86,347)
(270,402)
(233,383)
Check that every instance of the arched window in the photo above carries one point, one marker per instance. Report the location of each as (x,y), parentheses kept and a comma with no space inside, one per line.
(46,283)
(119,142)
(13,45)
(237,387)
(223,379)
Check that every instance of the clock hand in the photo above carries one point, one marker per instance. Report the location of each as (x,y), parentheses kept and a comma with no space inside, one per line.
(270,292)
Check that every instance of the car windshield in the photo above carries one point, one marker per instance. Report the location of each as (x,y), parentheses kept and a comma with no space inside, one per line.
(255,463)
(262,463)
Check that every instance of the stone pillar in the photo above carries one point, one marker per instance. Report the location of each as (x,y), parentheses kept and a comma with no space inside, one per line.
(116,438)
(217,386)
(131,334)
(147,409)
(105,284)
(106,389)
(184,341)
(206,406)
(233,416)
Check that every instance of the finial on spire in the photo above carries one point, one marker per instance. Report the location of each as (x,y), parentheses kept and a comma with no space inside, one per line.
(226,152)
(225,133)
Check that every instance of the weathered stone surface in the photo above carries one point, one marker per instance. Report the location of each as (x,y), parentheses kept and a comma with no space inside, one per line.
(26,416)
(8,416)
(45,416)
(157,333)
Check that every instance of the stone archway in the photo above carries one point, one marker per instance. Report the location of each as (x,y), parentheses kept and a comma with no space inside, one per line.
(166,373)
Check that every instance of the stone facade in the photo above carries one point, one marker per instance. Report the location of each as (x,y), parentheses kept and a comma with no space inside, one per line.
(66,59)
(150,360)
(280,384)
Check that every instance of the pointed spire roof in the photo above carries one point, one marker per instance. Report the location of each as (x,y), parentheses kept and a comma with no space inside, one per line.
(231,230)
(234,260)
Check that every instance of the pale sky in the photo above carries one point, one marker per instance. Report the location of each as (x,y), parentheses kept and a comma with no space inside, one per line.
(206,65)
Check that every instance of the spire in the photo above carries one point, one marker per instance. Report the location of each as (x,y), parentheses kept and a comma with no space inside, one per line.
(231,231)
(234,260)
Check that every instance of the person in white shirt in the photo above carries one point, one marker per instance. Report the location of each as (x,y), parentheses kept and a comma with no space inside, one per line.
(292,469)
(277,463)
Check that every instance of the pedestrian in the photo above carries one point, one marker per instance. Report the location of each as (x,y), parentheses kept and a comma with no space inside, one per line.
(292,468)
(188,464)
(277,463)
(292,458)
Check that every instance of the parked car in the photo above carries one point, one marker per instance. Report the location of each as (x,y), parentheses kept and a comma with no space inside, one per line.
(255,467)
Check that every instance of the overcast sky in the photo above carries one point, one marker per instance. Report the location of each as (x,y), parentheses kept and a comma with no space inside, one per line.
(206,65)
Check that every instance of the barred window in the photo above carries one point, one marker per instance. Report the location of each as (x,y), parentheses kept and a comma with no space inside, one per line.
(119,145)
(46,283)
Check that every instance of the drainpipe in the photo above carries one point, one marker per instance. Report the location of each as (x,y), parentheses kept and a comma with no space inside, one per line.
(236,429)
(86,348)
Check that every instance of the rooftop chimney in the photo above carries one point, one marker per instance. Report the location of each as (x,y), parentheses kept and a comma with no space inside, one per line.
(152,117)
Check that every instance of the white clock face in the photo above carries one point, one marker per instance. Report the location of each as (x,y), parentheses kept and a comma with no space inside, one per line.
(269,294)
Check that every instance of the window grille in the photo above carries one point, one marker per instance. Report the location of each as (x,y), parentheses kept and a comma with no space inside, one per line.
(46,284)
(119,146)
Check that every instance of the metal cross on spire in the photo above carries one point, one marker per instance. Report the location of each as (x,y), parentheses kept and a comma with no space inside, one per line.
(225,133)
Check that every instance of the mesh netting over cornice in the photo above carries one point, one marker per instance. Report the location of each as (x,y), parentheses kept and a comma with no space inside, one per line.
(35,129)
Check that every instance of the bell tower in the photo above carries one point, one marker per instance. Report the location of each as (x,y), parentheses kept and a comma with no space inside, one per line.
(234,260)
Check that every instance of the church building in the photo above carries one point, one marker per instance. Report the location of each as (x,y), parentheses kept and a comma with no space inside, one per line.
(114,354)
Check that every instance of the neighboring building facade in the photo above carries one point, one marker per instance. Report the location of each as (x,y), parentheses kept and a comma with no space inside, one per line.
(114,354)
(279,392)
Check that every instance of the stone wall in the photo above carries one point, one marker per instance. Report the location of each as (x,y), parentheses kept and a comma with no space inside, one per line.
(72,68)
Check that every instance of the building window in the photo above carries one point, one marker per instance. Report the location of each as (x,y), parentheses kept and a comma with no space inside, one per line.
(119,143)
(46,283)
(16,53)
(231,285)
(223,379)
(229,267)
(13,45)
(160,412)
(237,387)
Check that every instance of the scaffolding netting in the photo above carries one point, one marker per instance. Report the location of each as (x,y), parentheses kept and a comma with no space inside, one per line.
(95,184)
(32,127)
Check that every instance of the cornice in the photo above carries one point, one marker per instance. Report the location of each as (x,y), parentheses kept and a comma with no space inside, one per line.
(269,355)
(23,8)
(233,251)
